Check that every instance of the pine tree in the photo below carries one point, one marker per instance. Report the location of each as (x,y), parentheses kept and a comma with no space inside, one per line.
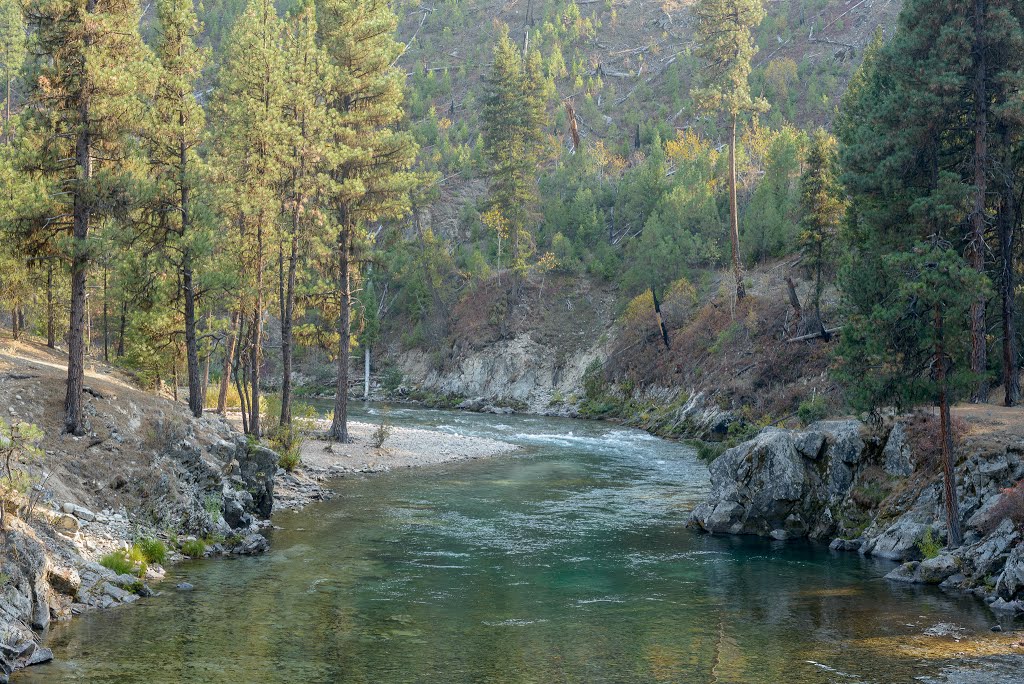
(309,77)
(86,105)
(251,137)
(822,204)
(911,295)
(513,129)
(12,53)
(726,45)
(368,159)
(175,134)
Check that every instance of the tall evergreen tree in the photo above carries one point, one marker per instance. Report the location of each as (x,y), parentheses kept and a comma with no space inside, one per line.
(368,158)
(726,45)
(309,78)
(513,129)
(86,106)
(176,131)
(251,142)
(12,53)
(822,204)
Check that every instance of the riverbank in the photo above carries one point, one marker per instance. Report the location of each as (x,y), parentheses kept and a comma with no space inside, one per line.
(148,470)
(878,491)
(402,447)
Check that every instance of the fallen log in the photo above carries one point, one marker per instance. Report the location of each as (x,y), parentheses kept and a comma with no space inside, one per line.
(813,336)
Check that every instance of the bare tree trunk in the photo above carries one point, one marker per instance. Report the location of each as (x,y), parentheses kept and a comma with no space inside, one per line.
(51,328)
(15,333)
(976,244)
(229,353)
(195,396)
(734,225)
(120,336)
(256,352)
(946,438)
(339,424)
(82,215)
(287,326)
(106,329)
(1007,286)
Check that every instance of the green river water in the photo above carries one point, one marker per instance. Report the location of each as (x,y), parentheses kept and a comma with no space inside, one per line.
(565,562)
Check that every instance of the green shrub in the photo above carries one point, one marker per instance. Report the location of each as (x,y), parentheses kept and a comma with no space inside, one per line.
(125,562)
(212,505)
(391,380)
(929,546)
(813,409)
(152,550)
(194,548)
(709,451)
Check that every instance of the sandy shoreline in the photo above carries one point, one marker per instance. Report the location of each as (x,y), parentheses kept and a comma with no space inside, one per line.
(405,447)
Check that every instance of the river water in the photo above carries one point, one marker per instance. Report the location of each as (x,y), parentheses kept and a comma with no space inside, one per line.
(565,562)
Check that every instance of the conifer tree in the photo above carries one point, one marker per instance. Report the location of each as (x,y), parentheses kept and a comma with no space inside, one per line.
(822,204)
(12,54)
(176,131)
(368,158)
(86,106)
(725,44)
(513,129)
(309,77)
(251,137)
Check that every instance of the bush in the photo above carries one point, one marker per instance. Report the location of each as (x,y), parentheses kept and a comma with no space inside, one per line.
(923,437)
(813,409)
(709,451)
(929,546)
(194,548)
(391,380)
(152,550)
(382,431)
(232,401)
(125,562)
(1010,505)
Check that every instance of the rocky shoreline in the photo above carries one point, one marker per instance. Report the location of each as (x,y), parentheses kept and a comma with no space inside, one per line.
(208,482)
(864,489)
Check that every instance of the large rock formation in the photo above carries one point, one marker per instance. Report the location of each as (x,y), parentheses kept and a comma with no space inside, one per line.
(784,483)
(840,481)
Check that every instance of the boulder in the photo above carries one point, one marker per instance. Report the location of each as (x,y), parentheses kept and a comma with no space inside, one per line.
(935,570)
(253,545)
(235,507)
(899,541)
(257,465)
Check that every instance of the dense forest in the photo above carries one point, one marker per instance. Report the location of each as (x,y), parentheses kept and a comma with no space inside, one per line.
(181,181)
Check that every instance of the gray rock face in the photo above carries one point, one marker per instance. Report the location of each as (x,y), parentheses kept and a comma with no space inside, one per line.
(257,466)
(1011,582)
(896,455)
(782,483)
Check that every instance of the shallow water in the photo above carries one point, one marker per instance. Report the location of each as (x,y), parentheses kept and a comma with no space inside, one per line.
(566,562)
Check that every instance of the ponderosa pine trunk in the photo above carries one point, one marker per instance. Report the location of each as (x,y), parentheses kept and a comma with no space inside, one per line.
(946,438)
(229,354)
(81,216)
(339,424)
(195,385)
(51,326)
(976,242)
(256,352)
(734,219)
(287,325)
(1007,221)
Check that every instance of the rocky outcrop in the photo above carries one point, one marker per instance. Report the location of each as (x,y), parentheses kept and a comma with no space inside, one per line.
(783,483)
(858,487)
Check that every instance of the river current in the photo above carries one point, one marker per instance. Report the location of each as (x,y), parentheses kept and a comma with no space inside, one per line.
(568,561)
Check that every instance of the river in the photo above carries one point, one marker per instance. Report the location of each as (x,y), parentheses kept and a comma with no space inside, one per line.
(566,562)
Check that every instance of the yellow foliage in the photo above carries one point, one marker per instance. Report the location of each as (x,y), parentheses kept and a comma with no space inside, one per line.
(688,146)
